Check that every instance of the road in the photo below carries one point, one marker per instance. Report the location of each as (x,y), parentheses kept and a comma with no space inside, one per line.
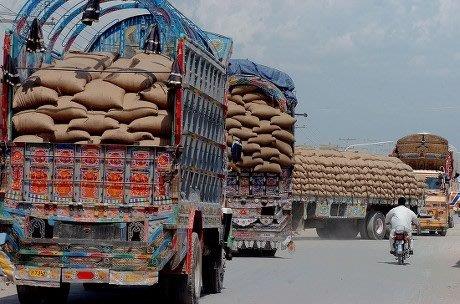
(325,271)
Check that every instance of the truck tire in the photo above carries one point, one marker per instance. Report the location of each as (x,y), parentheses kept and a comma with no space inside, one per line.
(363,229)
(323,232)
(443,232)
(188,287)
(376,225)
(29,294)
(269,253)
(345,231)
(43,295)
(213,272)
(451,221)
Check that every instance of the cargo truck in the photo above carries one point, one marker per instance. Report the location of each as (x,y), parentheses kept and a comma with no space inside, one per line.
(119,214)
(342,194)
(259,187)
(433,162)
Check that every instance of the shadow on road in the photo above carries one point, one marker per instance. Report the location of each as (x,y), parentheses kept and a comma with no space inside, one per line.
(457,265)
(394,263)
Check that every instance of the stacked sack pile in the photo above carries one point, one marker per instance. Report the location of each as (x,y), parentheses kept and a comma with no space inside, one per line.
(329,173)
(266,133)
(93,98)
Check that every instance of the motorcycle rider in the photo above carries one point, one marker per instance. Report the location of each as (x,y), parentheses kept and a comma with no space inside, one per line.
(401,218)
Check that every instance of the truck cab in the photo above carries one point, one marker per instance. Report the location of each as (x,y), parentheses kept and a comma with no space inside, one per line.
(434,216)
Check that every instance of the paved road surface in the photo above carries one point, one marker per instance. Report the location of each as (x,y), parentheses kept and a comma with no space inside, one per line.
(320,271)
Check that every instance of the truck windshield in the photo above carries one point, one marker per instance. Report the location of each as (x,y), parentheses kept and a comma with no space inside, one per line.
(433,183)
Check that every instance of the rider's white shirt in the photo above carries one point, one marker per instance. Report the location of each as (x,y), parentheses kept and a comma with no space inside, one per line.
(401,216)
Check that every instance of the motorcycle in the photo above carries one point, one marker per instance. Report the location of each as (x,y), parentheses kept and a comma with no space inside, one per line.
(401,246)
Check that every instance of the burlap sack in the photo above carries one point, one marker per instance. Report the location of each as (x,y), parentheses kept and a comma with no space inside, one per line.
(266,153)
(131,82)
(100,60)
(234,109)
(101,95)
(63,82)
(29,139)
(238,99)
(284,148)
(158,71)
(156,125)
(263,112)
(267,167)
(266,128)
(63,135)
(247,120)
(157,58)
(247,106)
(263,140)
(30,122)
(122,136)
(231,123)
(249,149)
(133,108)
(284,135)
(95,124)
(283,160)
(158,94)
(29,96)
(242,133)
(64,111)
(228,139)
(250,162)
(242,89)
(283,120)
(155,142)
(248,97)
(93,63)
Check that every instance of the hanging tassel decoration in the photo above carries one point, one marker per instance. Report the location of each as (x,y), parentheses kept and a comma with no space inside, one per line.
(92,12)
(34,42)
(153,43)
(175,78)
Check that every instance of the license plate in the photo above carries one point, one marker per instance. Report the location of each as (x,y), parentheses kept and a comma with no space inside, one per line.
(37,273)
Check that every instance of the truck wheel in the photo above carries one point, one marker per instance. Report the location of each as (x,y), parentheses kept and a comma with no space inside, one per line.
(213,272)
(57,295)
(323,233)
(29,294)
(39,295)
(443,232)
(363,230)
(269,253)
(346,231)
(376,226)
(188,288)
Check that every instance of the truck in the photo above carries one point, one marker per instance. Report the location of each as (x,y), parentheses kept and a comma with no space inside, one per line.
(118,214)
(343,194)
(433,162)
(261,200)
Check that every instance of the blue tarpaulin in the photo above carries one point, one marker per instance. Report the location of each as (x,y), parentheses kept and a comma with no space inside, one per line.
(280,79)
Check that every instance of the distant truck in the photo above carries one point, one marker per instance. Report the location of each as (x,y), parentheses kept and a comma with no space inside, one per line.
(433,162)
(118,214)
(259,186)
(343,194)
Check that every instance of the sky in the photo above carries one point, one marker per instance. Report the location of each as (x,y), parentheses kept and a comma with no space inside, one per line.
(365,70)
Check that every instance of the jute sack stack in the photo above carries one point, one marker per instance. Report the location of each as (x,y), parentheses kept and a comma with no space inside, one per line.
(342,174)
(96,98)
(266,133)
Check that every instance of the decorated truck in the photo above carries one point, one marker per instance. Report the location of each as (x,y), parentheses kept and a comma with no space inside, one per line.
(114,155)
(433,162)
(260,125)
(343,194)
